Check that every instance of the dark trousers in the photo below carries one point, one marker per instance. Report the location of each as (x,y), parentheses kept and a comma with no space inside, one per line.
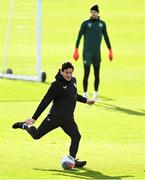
(68,125)
(86,76)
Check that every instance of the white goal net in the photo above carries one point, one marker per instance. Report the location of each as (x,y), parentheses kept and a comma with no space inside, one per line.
(20,23)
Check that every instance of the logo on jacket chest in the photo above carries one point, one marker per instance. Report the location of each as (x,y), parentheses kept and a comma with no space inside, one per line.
(100,25)
(65,87)
(89,25)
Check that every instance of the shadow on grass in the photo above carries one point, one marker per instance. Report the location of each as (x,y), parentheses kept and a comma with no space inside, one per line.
(120,109)
(104,98)
(81,173)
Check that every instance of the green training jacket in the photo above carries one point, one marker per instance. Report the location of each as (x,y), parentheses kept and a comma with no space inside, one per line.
(92,30)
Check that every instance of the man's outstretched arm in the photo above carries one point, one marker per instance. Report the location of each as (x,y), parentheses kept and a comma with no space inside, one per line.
(49,96)
(85,100)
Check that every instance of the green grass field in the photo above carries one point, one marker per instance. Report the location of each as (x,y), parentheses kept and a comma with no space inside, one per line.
(113,130)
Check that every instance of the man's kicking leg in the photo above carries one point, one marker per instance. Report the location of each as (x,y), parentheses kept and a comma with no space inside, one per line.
(46,126)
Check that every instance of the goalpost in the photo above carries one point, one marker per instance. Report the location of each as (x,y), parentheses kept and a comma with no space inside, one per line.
(21,40)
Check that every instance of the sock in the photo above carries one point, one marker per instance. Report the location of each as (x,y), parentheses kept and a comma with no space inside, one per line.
(95,94)
(25,126)
(85,94)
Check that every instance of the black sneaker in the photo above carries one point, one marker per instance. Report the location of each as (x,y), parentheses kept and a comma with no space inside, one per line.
(18,125)
(80,163)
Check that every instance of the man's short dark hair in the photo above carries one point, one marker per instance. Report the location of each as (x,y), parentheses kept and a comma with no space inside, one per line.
(66,65)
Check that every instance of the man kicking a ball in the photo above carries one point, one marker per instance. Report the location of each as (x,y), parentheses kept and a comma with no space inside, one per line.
(63,95)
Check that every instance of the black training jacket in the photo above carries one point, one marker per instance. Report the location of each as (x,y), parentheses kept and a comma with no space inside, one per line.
(63,95)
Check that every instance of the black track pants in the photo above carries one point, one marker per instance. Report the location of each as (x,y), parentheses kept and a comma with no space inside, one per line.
(86,76)
(68,125)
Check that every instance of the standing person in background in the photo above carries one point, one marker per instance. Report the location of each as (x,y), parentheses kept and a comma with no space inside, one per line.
(92,29)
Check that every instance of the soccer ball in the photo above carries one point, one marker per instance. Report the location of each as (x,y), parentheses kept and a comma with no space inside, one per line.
(67,162)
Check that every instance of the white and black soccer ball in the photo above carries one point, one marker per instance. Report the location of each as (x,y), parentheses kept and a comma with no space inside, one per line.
(67,162)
